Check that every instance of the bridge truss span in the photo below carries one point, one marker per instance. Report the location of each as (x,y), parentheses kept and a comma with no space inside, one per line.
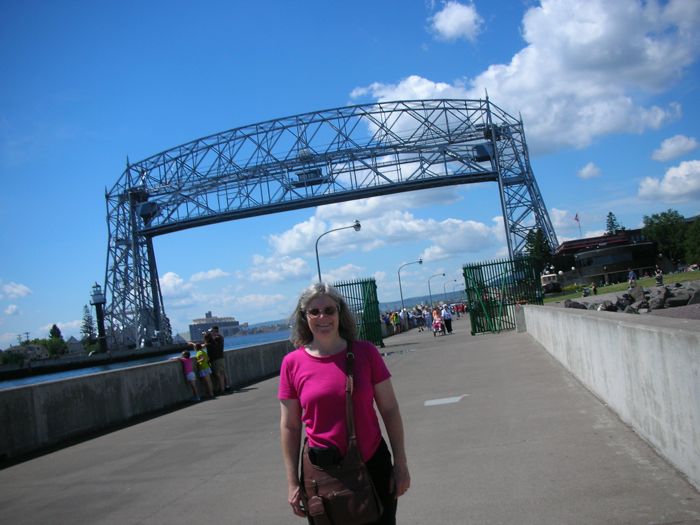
(301,161)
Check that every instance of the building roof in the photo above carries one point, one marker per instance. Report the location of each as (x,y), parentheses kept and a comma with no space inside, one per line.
(620,238)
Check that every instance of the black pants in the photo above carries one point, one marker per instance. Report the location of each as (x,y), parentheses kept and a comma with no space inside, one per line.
(380,469)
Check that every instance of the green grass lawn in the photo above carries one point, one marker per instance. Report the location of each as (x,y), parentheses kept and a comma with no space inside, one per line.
(622,287)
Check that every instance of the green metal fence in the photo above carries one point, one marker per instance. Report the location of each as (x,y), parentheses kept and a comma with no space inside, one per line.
(361,296)
(495,287)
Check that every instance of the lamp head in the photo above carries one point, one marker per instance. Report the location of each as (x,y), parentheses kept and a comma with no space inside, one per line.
(420,261)
(357,226)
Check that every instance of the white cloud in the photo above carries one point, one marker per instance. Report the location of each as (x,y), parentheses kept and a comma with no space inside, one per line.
(171,284)
(456,21)
(589,171)
(674,147)
(14,290)
(374,207)
(561,219)
(208,275)
(257,301)
(12,309)
(343,273)
(7,339)
(276,269)
(680,184)
(584,63)
(458,238)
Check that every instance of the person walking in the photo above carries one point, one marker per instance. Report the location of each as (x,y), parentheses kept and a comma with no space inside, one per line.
(447,318)
(312,395)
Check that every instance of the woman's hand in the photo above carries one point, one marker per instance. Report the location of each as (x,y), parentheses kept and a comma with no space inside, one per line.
(402,480)
(294,498)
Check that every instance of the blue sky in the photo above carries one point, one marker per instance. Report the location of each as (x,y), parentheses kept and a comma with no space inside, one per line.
(608,92)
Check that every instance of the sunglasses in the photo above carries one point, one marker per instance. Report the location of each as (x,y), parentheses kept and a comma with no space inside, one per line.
(327,311)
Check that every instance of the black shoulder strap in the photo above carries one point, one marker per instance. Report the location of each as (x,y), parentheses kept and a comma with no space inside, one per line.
(349,415)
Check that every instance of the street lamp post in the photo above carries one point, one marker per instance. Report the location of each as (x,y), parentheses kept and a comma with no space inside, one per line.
(356,226)
(444,292)
(419,261)
(430,293)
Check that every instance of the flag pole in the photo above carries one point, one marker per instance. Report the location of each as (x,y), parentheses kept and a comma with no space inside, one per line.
(578,220)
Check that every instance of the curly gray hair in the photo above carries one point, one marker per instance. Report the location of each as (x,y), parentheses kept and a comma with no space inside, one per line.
(301,333)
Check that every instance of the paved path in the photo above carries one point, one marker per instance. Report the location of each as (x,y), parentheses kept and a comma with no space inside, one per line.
(497,433)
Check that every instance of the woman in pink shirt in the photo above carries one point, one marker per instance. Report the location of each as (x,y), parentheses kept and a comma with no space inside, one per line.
(312,394)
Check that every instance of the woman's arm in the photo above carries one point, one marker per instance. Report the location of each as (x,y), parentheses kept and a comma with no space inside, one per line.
(391,415)
(290,438)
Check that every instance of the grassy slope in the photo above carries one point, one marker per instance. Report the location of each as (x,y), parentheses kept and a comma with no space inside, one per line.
(622,287)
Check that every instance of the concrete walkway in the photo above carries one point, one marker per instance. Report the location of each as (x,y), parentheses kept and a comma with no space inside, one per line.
(497,433)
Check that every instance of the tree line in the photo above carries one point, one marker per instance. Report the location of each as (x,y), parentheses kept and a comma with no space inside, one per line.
(55,344)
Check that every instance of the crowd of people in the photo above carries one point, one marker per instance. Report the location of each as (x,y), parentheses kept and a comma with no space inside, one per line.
(207,371)
(437,319)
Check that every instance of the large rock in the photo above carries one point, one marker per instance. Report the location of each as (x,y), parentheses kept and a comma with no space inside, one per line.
(641,305)
(607,306)
(695,298)
(679,297)
(656,303)
(637,293)
(573,304)
(659,292)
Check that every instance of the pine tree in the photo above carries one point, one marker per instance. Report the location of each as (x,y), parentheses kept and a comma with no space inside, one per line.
(55,343)
(538,249)
(612,226)
(55,333)
(87,329)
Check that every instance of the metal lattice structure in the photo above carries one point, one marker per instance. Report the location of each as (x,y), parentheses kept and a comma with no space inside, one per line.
(303,161)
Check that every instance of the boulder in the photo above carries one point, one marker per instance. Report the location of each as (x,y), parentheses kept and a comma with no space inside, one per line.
(659,292)
(679,297)
(637,293)
(641,305)
(631,310)
(656,303)
(573,304)
(695,298)
(607,306)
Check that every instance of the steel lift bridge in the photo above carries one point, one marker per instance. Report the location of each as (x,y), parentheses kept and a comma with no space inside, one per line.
(302,161)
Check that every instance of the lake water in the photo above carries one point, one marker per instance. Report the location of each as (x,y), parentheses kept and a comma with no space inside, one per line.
(230,343)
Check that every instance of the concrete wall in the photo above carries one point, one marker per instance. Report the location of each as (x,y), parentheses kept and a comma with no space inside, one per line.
(646,368)
(47,414)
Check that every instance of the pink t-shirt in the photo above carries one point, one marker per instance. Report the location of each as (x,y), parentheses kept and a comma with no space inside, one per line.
(319,385)
(187,365)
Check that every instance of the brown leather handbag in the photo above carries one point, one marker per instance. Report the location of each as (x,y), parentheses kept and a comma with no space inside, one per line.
(341,494)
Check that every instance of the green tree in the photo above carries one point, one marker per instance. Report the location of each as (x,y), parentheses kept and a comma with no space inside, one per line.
(537,247)
(612,226)
(692,243)
(668,230)
(87,329)
(55,343)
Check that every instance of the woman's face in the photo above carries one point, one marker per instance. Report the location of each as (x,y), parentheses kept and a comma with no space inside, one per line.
(322,316)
